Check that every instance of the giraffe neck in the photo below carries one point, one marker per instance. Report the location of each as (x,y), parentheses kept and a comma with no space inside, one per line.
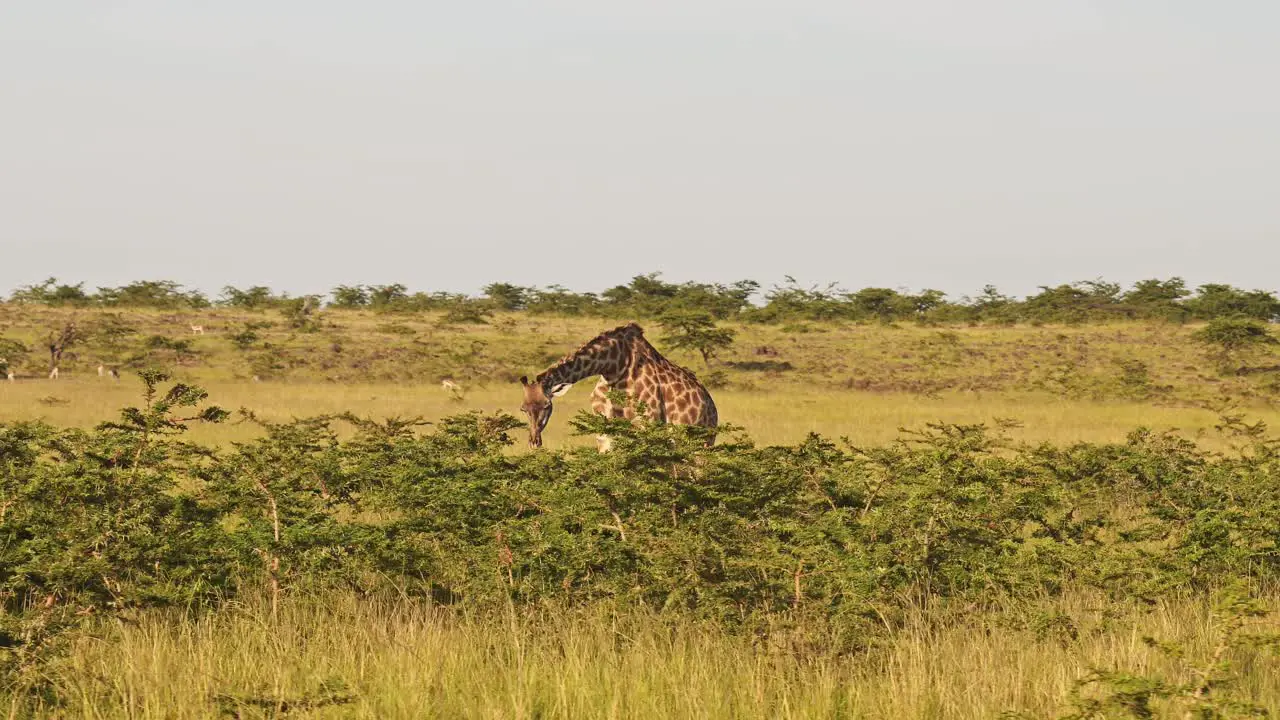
(607,356)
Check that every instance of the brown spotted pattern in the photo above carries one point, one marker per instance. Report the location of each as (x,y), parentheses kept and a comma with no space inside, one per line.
(624,360)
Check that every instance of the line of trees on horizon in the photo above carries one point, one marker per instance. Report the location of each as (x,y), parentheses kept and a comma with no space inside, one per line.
(648,296)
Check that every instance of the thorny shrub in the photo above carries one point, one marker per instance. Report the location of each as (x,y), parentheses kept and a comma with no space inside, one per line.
(820,534)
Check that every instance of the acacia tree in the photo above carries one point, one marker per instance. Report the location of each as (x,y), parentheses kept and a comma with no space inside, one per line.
(299,313)
(696,330)
(387,297)
(51,292)
(11,354)
(253,298)
(508,297)
(350,296)
(1230,340)
(59,343)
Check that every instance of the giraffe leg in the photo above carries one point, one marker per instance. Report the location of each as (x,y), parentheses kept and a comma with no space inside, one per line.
(601,406)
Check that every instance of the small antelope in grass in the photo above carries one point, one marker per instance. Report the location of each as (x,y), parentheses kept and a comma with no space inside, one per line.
(455,390)
(197,329)
(625,361)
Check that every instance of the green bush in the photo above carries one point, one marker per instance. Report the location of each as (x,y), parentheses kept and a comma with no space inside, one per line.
(692,330)
(128,516)
(648,296)
(1231,340)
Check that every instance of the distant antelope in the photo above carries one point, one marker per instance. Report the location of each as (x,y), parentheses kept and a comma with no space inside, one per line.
(53,374)
(102,370)
(115,374)
(454,389)
(10,376)
(197,329)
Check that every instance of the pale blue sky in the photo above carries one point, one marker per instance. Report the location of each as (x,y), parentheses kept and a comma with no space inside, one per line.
(916,143)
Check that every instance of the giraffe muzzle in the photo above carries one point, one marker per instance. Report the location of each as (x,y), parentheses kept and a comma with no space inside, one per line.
(537,423)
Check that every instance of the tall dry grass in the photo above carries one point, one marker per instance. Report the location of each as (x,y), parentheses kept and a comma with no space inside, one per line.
(337,656)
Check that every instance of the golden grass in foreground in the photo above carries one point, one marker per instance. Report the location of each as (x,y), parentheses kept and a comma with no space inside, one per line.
(784,415)
(398,660)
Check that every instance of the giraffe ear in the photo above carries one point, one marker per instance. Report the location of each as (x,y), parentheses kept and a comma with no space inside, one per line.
(560,389)
(524,379)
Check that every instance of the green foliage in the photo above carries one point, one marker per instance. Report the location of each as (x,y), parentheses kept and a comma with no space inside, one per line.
(289,494)
(791,303)
(101,523)
(1158,299)
(248,335)
(648,296)
(557,300)
(466,312)
(157,418)
(300,313)
(350,296)
(387,297)
(757,538)
(1231,339)
(1223,301)
(110,331)
(1211,694)
(1235,334)
(51,293)
(162,350)
(691,330)
(506,297)
(1135,379)
(265,363)
(881,304)
(257,297)
(1074,303)
(395,298)
(164,294)
(163,342)
(12,355)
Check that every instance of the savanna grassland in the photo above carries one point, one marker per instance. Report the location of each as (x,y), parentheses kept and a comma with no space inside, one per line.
(861,381)
(943,520)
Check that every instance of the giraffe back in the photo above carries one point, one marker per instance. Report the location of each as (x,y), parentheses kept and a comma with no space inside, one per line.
(672,393)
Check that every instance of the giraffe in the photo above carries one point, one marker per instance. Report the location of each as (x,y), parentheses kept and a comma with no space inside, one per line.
(624,360)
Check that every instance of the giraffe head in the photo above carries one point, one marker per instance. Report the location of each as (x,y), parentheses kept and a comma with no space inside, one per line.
(537,405)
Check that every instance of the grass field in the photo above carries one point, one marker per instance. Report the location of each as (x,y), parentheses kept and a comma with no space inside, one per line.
(784,415)
(1063,384)
(335,656)
(365,659)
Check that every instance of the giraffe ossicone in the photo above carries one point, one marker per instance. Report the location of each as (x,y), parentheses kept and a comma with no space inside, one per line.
(624,361)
